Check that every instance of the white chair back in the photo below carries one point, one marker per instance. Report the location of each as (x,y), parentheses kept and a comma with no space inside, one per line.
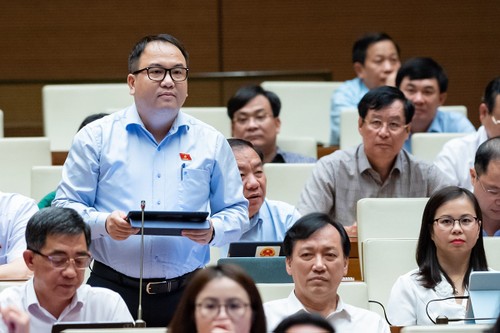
(388,218)
(303,145)
(478,328)
(384,261)
(44,179)
(305,107)
(65,106)
(349,134)
(285,181)
(426,146)
(492,249)
(214,116)
(19,156)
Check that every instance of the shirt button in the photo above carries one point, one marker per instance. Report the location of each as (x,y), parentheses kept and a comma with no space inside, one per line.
(158,175)
(158,202)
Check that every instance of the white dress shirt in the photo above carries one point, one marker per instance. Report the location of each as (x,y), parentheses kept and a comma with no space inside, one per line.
(345,319)
(90,304)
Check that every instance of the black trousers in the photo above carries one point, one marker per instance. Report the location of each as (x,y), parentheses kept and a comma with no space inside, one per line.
(157,309)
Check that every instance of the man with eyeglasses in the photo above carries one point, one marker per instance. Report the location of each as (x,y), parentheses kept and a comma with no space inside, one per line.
(457,156)
(377,168)
(485,177)
(152,151)
(255,117)
(58,254)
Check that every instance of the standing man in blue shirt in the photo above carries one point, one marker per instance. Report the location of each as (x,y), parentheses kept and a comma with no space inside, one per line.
(152,151)
(375,58)
(424,82)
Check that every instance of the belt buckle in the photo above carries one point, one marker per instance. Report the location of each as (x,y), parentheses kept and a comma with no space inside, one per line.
(150,284)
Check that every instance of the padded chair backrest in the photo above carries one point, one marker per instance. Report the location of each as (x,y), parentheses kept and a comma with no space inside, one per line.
(353,293)
(477,328)
(462,109)
(262,270)
(286,181)
(213,116)
(44,179)
(19,155)
(492,249)
(426,146)
(305,107)
(303,145)
(349,134)
(388,218)
(66,105)
(384,261)
(1,124)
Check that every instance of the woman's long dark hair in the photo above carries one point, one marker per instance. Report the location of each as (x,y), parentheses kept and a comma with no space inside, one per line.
(429,269)
(184,318)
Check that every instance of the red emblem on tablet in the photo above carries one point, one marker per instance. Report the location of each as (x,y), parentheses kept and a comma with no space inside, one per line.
(185,156)
(267,252)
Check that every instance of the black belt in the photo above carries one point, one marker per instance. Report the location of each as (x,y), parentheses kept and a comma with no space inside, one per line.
(151,286)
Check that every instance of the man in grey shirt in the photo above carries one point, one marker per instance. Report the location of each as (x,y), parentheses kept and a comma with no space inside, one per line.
(377,168)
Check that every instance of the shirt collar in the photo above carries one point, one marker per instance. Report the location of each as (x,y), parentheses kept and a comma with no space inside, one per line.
(342,309)
(132,118)
(365,165)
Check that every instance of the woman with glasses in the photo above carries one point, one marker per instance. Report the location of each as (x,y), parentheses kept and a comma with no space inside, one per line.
(449,247)
(221,298)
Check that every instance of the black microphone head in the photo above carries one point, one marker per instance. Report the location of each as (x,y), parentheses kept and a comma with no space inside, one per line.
(442,320)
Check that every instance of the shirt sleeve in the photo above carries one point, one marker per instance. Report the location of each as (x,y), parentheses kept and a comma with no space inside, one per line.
(318,194)
(445,161)
(340,100)
(78,186)
(16,244)
(437,180)
(402,307)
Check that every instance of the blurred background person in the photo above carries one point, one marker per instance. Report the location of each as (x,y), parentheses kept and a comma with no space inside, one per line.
(220,298)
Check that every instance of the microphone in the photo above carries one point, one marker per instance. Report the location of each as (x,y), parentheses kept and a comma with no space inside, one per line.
(140,322)
(443,320)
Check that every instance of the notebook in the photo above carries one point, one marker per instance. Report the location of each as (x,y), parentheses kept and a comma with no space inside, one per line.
(169,223)
(255,249)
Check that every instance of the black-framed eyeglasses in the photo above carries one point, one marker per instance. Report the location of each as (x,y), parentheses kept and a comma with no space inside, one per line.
(448,222)
(61,261)
(235,308)
(158,74)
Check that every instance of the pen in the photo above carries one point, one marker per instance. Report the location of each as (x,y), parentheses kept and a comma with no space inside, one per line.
(182,170)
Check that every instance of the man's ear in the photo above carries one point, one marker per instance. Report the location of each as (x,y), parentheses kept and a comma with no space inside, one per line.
(483,112)
(346,265)
(28,258)
(359,69)
(442,98)
(288,265)
(473,176)
(131,83)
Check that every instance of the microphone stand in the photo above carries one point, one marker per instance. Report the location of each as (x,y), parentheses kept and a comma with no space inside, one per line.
(140,322)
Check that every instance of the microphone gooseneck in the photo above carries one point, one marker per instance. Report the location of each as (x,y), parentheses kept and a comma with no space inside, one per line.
(442,320)
(140,322)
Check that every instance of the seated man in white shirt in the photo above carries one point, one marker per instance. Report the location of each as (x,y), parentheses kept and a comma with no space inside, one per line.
(317,257)
(15,211)
(269,219)
(457,156)
(58,253)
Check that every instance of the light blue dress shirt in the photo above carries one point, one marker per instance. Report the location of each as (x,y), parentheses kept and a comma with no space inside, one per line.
(346,97)
(114,163)
(446,122)
(270,223)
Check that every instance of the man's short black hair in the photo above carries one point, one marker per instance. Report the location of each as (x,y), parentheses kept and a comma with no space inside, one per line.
(247,93)
(383,96)
(309,224)
(236,144)
(490,94)
(423,68)
(54,221)
(488,151)
(362,44)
